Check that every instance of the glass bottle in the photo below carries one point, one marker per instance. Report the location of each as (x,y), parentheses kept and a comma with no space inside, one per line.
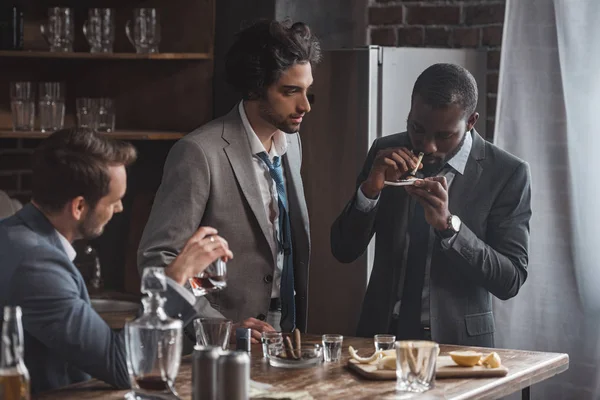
(153,343)
(14,377)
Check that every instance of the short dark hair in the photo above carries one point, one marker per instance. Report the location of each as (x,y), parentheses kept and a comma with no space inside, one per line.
(74,162)
(441,85)
(262,52)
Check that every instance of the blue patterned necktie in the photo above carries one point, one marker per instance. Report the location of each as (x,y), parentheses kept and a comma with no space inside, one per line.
(288,306)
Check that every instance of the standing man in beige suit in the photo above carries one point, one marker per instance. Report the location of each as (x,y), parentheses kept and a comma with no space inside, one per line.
(241,174)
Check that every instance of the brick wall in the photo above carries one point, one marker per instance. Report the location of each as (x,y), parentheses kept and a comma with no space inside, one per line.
(15,167)
(443,23)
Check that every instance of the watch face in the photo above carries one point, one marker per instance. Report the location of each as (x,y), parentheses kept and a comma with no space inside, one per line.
(455,223)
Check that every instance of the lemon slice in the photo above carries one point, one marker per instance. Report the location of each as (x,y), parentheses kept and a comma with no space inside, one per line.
(363,360)
(387,362)
(492,360)
(465,358)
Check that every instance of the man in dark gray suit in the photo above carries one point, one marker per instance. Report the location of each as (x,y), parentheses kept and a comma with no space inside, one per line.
(446,244)
(79,179)
(241,174)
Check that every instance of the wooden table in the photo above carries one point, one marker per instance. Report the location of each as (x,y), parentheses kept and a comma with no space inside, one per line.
(335,381)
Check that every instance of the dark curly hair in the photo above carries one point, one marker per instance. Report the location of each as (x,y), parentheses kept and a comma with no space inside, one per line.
(262,52)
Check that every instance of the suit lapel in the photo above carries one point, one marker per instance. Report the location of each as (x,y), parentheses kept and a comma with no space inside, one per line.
(461,189)
(295,189)
(240,157)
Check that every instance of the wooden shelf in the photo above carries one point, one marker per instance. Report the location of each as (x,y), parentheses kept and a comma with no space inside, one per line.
(106,56)
(124,135)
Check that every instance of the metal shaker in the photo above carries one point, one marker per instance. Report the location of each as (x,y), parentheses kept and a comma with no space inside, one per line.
(204,372)
(234,376)
(243,338)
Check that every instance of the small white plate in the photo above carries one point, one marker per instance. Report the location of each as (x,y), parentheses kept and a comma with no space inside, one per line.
(401,183)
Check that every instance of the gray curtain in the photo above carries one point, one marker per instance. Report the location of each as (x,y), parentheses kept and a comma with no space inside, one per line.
(549,99)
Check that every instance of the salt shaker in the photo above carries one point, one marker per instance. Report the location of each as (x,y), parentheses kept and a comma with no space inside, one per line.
(234,376)
(204,372)
(243,337)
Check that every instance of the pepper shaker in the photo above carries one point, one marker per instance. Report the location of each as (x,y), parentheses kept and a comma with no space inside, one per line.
(204,372)
(234,376)
(243,337)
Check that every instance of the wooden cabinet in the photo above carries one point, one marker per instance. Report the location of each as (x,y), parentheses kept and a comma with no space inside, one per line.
(155,95)
(158,98)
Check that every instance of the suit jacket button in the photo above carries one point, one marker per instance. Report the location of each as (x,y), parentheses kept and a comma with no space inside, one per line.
(261,317)
(268,278)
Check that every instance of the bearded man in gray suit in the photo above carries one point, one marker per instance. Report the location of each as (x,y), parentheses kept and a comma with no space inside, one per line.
(241,174)
(458,236)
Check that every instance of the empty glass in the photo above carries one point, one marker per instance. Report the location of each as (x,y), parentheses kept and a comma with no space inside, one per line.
(332,347)
(58,31)
(213,332)
(211,279)
(145,33)
(270,339)
(415,365)
(22,105)
(384,342)
(99,30)
(105,116)
(51,106)
(86,112)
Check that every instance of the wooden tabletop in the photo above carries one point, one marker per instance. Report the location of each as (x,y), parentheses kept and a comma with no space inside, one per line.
(335,381)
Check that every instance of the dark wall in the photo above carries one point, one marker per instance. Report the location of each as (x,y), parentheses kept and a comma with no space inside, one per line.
(337,23)
(231,17)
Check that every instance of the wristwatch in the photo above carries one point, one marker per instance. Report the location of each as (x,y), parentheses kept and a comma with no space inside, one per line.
(453,226)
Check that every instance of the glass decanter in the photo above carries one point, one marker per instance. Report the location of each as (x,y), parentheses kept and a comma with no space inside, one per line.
(14,377)
(153,343)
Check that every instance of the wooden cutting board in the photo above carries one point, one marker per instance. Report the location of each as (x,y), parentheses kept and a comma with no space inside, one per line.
(445,368)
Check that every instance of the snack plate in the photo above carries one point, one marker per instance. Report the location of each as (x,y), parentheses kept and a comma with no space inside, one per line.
(403,182)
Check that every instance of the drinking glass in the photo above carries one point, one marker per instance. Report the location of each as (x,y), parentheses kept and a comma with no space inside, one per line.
(86,112)
(145,33)
(332,347)
(58,30)
(415,365)
(270,339)
(213,332)
(211,279)
(99,30)
(22,105)
(384,342)
(105,116)
(51,106)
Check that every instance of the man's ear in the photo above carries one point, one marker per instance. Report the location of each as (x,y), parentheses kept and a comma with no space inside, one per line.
(77,208)
(472,121)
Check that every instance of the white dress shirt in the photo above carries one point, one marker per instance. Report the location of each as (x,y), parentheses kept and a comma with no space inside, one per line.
(71,253)
(267,186)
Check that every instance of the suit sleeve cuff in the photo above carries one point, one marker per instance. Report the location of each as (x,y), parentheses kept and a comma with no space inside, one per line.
(363,203)
(448,242)
(182,291)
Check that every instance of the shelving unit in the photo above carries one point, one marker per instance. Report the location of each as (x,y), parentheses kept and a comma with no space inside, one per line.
(105,56)
(123,135)
(158,98)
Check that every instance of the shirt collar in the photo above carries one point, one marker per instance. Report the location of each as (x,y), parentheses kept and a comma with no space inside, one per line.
(71,253)
(279,147)
(459,161)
